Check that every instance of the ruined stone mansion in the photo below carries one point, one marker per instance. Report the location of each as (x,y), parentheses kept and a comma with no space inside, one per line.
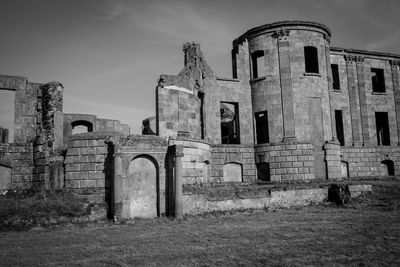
(296,109)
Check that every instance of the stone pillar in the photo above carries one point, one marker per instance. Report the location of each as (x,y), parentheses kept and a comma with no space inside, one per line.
(52,118)
(332,157)
(363,100)
(330,86)
(178,182)
(354,108)
(395,64)
(282,37)
(117,194)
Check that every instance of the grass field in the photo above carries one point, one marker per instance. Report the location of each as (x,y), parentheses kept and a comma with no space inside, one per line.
(366,233)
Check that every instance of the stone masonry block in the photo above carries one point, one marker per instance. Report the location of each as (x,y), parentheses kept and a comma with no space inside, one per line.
(87,183)
(95,175)
(88,166)
(76,175)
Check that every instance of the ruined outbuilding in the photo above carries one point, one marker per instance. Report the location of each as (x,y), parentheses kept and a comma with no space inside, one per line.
(296,109)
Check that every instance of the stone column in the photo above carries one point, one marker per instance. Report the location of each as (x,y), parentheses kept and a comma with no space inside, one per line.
(330,86)
(117,193)
(363,100)
(178,182)
(354,109)
(52,118)
(395,64)
(282,37)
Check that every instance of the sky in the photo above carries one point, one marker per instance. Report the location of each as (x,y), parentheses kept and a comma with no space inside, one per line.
(108,54)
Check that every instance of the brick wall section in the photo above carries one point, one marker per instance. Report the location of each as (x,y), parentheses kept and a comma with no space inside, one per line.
(332,158)
(366,161)
(87,163)
(19,158)
(288,162)
(242,154)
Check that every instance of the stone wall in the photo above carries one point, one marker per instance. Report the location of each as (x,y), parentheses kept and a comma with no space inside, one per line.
(98,124)
(89,164)
(225,154)
(367,161)
(18,157)
(287,162)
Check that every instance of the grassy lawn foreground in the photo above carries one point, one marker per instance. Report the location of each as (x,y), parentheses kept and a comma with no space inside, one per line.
(365,233)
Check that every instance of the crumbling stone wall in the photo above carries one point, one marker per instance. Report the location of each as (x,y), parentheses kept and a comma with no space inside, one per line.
(98,124)
(18,157)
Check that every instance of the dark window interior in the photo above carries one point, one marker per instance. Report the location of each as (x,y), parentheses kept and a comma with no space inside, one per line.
(339,126)
(390,166)
(335,76)
(262,127)
(382,128)
(229,123)
(258,63)
(263,171)
(378,80)
(311,59)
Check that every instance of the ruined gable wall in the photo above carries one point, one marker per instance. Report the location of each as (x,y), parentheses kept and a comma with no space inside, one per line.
(226,90)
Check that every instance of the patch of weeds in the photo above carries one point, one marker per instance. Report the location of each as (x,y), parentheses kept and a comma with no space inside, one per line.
(26,209)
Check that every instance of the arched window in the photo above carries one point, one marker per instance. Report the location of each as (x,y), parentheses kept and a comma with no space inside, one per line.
(311,59)
(81,126)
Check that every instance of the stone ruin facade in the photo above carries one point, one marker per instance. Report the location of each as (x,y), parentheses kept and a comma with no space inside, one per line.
(296,109)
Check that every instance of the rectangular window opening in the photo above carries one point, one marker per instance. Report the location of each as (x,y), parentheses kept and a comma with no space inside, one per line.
(230,132)
(382,128)
(311,59)
(262,127)
(378,80)
(7,113)
(335,76)
(339,126)
(258,64)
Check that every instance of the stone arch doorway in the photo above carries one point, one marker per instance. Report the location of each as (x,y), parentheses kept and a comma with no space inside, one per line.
(143,187)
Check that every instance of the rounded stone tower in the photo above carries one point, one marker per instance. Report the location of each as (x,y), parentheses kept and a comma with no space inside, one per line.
(289,73)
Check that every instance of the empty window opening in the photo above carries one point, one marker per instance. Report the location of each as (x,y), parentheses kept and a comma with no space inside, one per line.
(311,59)
(378,80)
(229,123)
(387,168)
(382,128)
(81,127)
(258,64)
(339,126)
(7,111)
(344,166)
(262,127)
(263,171)
(335,76)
